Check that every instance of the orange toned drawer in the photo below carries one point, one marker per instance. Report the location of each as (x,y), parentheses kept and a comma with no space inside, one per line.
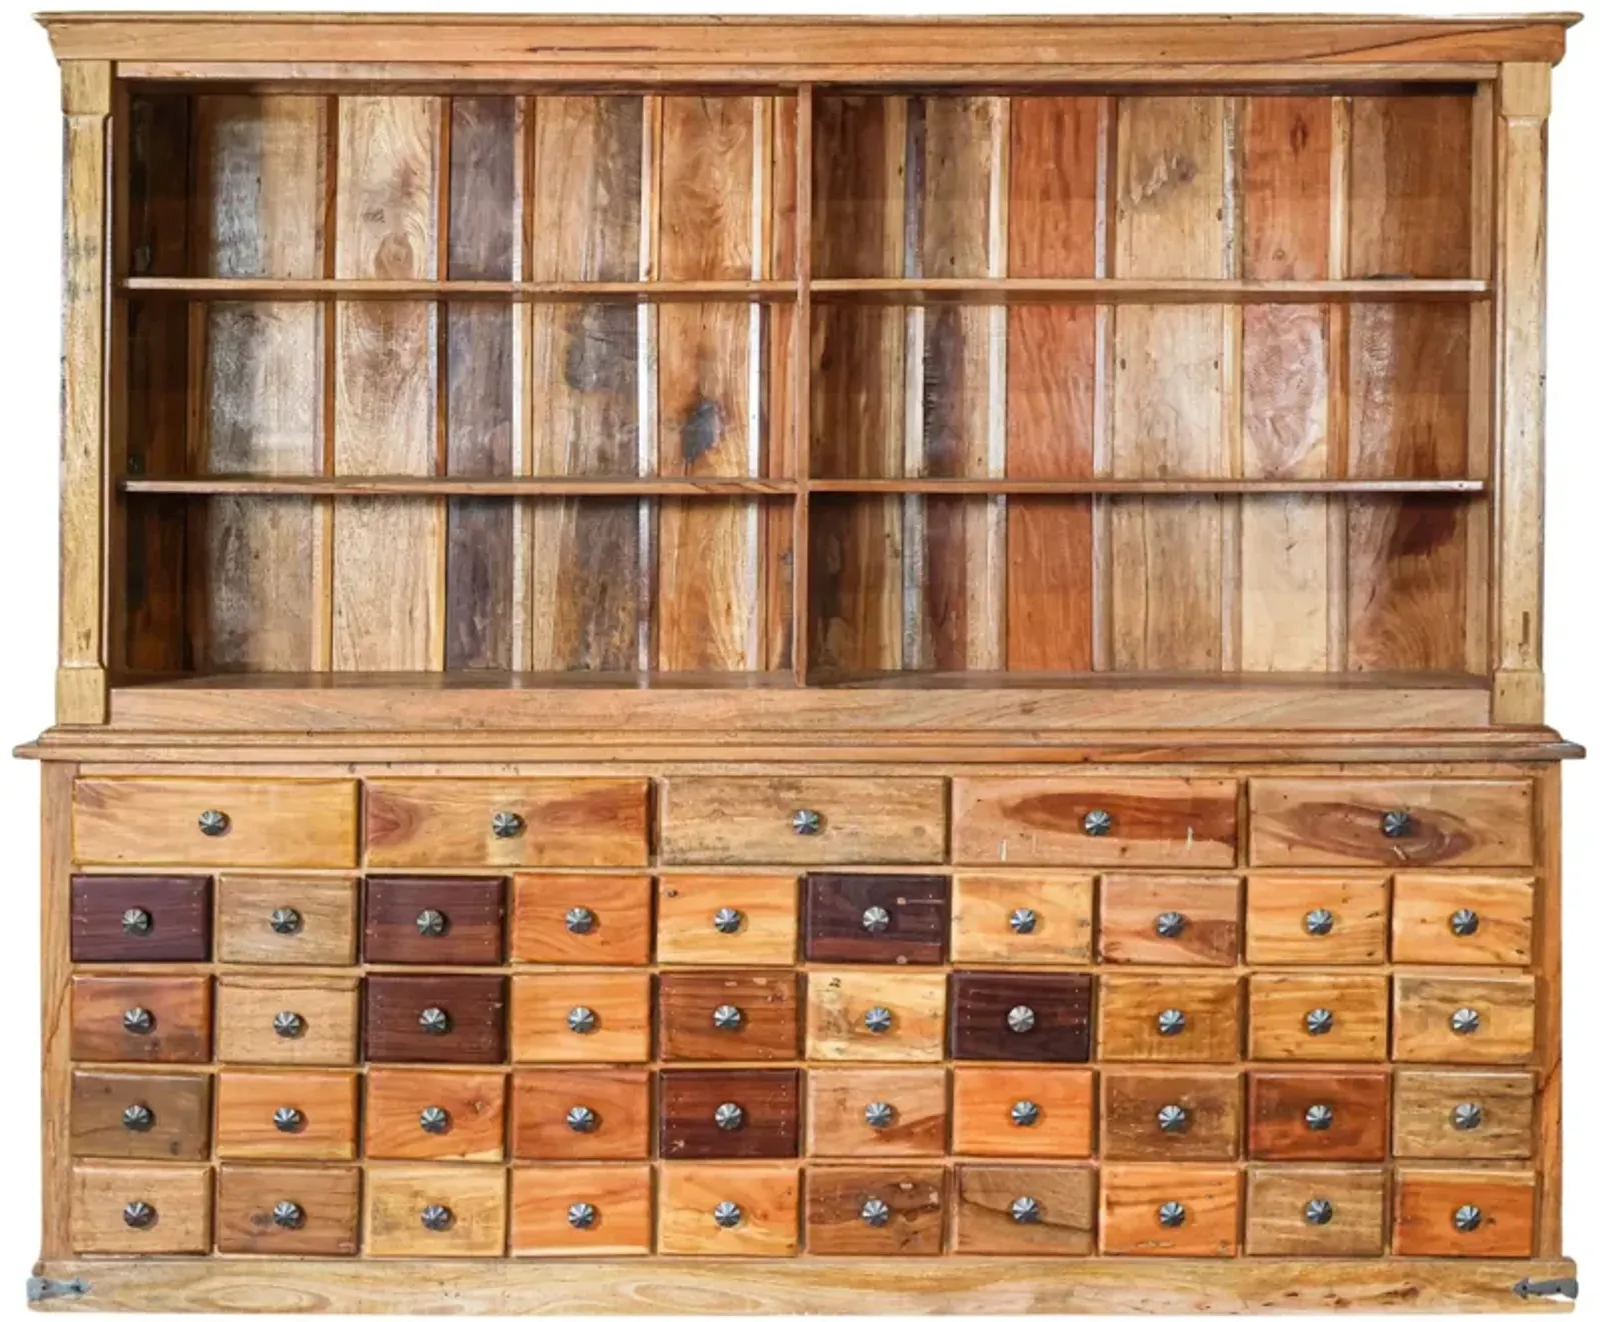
(1022,1112)
(435,1211)
(1315,1211)
(1309,919)
(876,1113)
(743,1210)
(286,920)
(1464,1114)
(1032,1209)
(215,822)
(875,1016)
(294,1115)
(1319,1115)
(1169,920)
(1445,918)
(136,1019)
(1325,1016)
(1022,918)
(1191,1115)
(735,1015)
(875,1211)
(285,1211)
(578,1210)
(716,919)
(141,1116)
(567,918)
(528,823)
(1391,823)
(1470,1021)
(435,1115)
(287,1020)
(1170,1211)
(580,1114)
(557,1018)
(1099,822)
(124,1208)
(1463,1213)
(1175,1018)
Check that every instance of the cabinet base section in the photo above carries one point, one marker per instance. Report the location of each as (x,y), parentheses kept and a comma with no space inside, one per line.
(814,1285)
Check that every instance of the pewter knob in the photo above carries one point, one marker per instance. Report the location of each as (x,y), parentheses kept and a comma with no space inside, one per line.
(1024,1210)
(138,1020)
(877,1020)
(1025,1114)
(285,922)
(1464,1021)
(138,1117)
(135,922)
(434,1119)
(138,1214)
(581,1019)
(580,921)
(1172,1215)
(875,1212)
(727,921)
(727,1018)
(286,1023)
(1396,823)
(1464,922)
(1319,1117)
(212,822)
(880,1115)
(1097,821)
(1319,922)
(1467,1115)
(506,825)
(727,1215)
(430,922)
(291,1216)
(1173,1119)
(806,821)
(729,1116)
(1020,1019)
(582,1216)
(1170,924)
(582,1120)
(1319,1021)
(1169,1023)
(1319,1211)
(1023,921)
(288,1120)
(875,920)
(434,1021)
(436,1216)
(1468,1217)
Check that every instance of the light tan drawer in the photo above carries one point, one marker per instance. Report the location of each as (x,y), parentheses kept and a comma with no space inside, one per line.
(1469,1021)
(1022,918)
(1316,919)
(1445,918)
(1315,1211)
(875,1016)
(876,1113)
(1168,1018)
(723,919)
(740,1209)
(1465,1114)
(286,920)
(128,1208)
(288,1020)
(1323,1016)
(437,1210)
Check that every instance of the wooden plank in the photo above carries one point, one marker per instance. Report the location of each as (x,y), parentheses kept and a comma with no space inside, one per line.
(787,388)
(1410,186)
(1547,1042)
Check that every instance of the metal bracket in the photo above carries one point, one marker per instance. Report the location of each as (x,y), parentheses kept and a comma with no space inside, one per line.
(1564,1286)
(41,1288)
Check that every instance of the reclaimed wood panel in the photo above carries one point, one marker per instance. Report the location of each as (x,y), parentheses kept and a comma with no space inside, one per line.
(179,1128)
(1130,1197)
(618,1098)
(475,1023)
(982,1099)
(1411,186)
(473,1104)
(1131,1101)
(768,1027)
(1276,1221)
(767,1196)
(180,1197)
(323,1126)
(984,1223)
(769,1101)
(1425,1103)
(916,913)
(329,1199)
(1281,1006)
(914,1196)
(324,1031)
(621,1196)
(1357,1131)
(836,1108)
(1425,1202)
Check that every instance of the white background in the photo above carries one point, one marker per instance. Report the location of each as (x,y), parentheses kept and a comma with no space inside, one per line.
(30,244)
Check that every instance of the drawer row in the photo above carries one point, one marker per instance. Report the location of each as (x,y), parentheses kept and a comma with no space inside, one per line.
(759,1015)
(824,917)
(780,1210)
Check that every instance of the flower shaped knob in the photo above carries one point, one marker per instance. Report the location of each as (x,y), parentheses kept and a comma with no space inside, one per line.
(138,1215)
(1466,1116)
(877,1020)
(138,1020)
(1023,921)
(875,919)
(1319,1022)
(288,1120)
(728,1018)
(1464,922)
(1396,823)
(434,1021)
(879,1115)
(1170,924)
(136,922)
(581,1019)
(436,1216)
(1468,1217)
(1318,1212)
(875,1212)
(1319,1117)
(582,1216)
(729,1116)
(291,1216)
(580,920)
(434,1119)
(1319,922)
(1025,1114)
(1024,1210)
(287,1023)
(806,821)
(138,1117)
(1021,1019)
(727,921)
(1169,1023)
(582,1120)
(1097,821)
(1465,1020)
(212,822)
(727,1215)
(1172,1215)
(285,922)
(507,825)
(430,922)
(1172,1119)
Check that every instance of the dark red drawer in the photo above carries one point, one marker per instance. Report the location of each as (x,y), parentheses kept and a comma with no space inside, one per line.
(730,1113)
(126,920)
(859,918)
(434,920)
(448,1019)
(1298,1116)
(1021,1016)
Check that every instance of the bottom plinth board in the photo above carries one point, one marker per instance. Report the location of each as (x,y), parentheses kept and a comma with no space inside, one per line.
(814,1285)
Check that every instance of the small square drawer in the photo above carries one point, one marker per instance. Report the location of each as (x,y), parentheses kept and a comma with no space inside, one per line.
(287,1020)
(528,823)
(802,819)
(858,918)
(1465,1114)
(1322,1116)
(1326,1016)
(435,1115)
(1315,1211)
(716,919)
(1022,1112)
(434,920)
(445,1019)
(739,1015)
(1468,1021)
(729,1113)
(876,1113)
(1169,920)
(1179,1018)
(580,1114)
(436,1211)
(1020,1016)
(1463,1213)
(313,1211)
(1170,1211)
(875,1211)
(1147,821)
(1192,1116)
(123,1208)
(1312,919)
(154,1019)
(298,1115)
(601,1017)
(875,1016)
(286,920)
(1022,918)
(747,1210)
(579,1210)
(570,918)
(142,1117)
(1297,822)
(128,920)
(1446,918)
(1030,1209)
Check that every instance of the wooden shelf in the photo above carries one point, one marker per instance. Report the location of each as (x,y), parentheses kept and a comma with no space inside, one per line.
(959,486)
(515,291)
(296,485)
(1148,291)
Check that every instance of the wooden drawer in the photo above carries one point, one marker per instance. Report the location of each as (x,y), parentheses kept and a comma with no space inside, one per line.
(1322,1116)
(717,919)
(445,1019)
(209,822)
(1176,1018)
(1188,1116)
(730,1016)
(282,1020)
(876,1113)
(298,1115)
(729,1211)
(578,1210)
(127,920)
(1020,1016)
(1324,1016)
(1391,823)
(141,1117)
(1313,919)
(1170,1211)
(858,918)
(580,1114)
(875,1016)
(1031,1209)
(729,1113)
(1463,1213)
(802,819)
(124,1208)
(1447,918)
(529,823)
(1021,918)
(436,1211)
(1131,821)
(144,1019)
(1169,920)
(1315,1211)
(567,918)
(1469,1021)
(434,920)
(1463,1114)
(875,1211)
(602,1017)
(313,1211)
(435,1115)
(1022,1112)
(286,920)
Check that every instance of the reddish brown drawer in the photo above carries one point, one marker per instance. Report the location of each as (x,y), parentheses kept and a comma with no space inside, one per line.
(434,920)
(730,1113)
(456,1020)
(132,919)
(157,1019)
(1320,1116)
(729,1016)
(1169,920)
(1024,1210)
(142,1116)
(289,1210)
(857,918)
(1463,1213)
(875,1211)
(580,1114)
(570,918)
(1192,1116)
(1021,1016)
(1170,1211)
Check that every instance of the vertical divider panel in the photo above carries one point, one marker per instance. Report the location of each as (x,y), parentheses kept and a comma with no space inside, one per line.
(1103,596)
(326,460)
(795,441)
(522,511)
(1231,508)
(438,645)
(1480,388)
(1338,382)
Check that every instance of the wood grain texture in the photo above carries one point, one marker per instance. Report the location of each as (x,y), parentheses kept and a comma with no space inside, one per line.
(618,1096)
(768,909)
(476,1015)
(769,1010)
(328,1197)
(473,910)
(326,1128)
(1130,904)
(540,1003)
(1410,206)
(982,904)
(980,1016)
(622,1198)
(1424,905)
(836,1104)
(1276,908)
(1275,1220)
(328,1009)
(1280,1004)
(1130,1005)
(981,1104)
(914,1195)
(180,1008)
(1425,1103)
(1359,1130)
(620,930)
(180,1109)
(768,1099)
(983,1222)
(1131,1101)
(768,1198)
(1131,1196)
(836,904)
(1425,1202)
(1424,1006)
(474,1107)
(176,912)
(180,1195)
(394,1197)
(326,933)
(836,1007)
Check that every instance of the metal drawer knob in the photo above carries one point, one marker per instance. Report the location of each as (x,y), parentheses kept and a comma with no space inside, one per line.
(138,1117)
(879,1115)
(727,1215)
(1023,921)
(507,825)
(213,822)
(1396,823)
(1172,1215)
(434,1120)
(1319,1117)
(1319,1022)
(581,1019)
(430,922)
(582,1216)
(288,1120)
(1169,1023)
(285,922)
(806,821)
(727,921)
(436,1216)
(875,920)
(286,1023)
(291,1216)
(1464,1021)
(1172,1120)
(1024,1210)
(580,921)
(729,1116)
(1464,922)
(434,1020)
(728,1018)
(135,922)
(1319,1211)
(877,1020)
(1467,1115)
(582,1120)
(1468,1217)
(138,1020)
(1025,1114)
(1170,924)
(1097,821)
(1020,1019)
(875,1212)
(1319,922)
(138,1215)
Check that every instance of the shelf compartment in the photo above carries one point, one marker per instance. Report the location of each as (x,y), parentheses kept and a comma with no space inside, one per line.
(231,484)
(963,486)
(1086,290)
(232,289)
